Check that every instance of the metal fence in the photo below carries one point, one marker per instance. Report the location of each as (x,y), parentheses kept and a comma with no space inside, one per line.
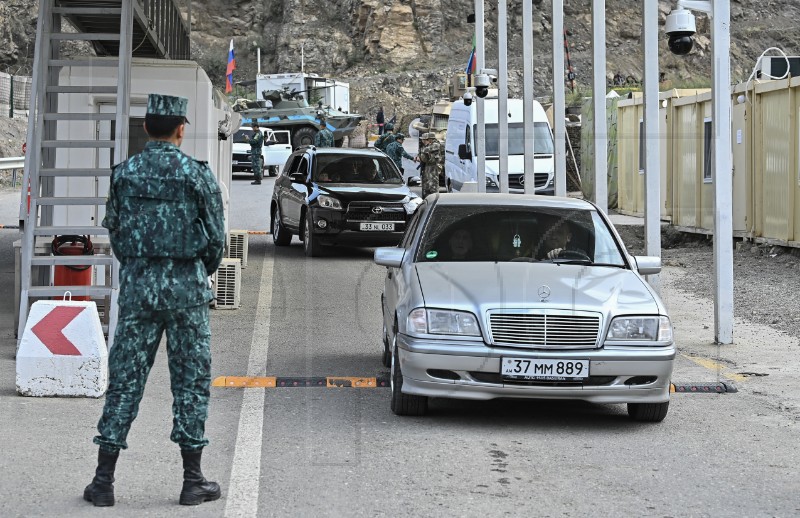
(15,94)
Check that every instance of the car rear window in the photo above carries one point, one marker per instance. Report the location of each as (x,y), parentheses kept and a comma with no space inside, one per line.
(470,233)
(355,169)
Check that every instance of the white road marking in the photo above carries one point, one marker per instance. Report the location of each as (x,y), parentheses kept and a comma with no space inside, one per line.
(242,495)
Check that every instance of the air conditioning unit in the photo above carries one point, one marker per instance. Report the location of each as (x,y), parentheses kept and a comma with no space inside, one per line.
(775,66)
(237,246)
(228,284)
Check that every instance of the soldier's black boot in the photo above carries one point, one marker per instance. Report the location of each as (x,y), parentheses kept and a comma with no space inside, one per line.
(101,491)
(256,182)
(196,489)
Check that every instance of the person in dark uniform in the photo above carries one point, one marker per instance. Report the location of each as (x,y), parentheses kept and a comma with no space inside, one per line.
(165,219)
(324,137)
(379,119)
(256,144)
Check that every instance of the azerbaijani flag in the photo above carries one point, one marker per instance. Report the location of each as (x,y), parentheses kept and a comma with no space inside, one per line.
(471,62)
(229,71)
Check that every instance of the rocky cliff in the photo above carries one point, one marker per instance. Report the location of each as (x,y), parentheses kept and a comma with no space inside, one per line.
(399,52)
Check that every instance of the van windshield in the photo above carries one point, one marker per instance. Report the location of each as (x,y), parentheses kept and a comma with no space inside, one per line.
(543,139)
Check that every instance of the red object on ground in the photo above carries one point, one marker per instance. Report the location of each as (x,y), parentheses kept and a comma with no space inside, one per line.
(72,275)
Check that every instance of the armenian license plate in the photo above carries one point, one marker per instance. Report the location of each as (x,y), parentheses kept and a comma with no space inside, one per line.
(552,370)
(385,227)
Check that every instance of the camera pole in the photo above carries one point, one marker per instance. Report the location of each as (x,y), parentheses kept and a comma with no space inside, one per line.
(600,129)
(527,95)
(502,98)
(480,63)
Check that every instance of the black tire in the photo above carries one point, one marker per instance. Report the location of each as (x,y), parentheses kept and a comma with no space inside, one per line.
(303,136)
(386,358)
(311,245)
(404,404)
(648,412)
(273,170)
(280,236)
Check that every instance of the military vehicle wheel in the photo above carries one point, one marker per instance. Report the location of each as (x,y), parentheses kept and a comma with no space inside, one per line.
(338,143)
(303,137)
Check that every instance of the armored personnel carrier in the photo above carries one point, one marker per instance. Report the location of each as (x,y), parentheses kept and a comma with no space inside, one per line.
(285,109)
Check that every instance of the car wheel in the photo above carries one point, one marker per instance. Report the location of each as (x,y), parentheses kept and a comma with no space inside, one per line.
(648,412)
(280,236)
(311,244)
(404,404)
(273,170)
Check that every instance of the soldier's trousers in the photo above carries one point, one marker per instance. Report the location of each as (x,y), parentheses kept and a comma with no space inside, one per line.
(430,181)
(255,160)
(136,341)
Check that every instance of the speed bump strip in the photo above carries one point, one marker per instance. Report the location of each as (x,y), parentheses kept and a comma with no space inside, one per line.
(703,388)
(297,382)
(244,382)
(258,232)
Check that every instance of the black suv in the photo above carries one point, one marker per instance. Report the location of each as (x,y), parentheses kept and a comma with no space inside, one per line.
(331,196)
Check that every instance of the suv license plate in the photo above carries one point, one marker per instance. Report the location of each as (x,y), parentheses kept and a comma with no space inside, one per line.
(385,227)
(552,370)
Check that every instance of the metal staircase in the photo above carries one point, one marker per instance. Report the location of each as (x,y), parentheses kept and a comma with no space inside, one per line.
(109,26)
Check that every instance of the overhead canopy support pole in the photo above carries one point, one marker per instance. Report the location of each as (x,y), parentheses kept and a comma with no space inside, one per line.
(527,95)
(502,100)
(652,147)
(599,104)
(723,173)
(559,127)
(480,64)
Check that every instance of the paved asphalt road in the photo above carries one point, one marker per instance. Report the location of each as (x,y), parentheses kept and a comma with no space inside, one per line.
(335,452)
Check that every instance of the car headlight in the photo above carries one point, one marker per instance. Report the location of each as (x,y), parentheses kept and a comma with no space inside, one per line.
(641,329)
(443,322)
(411,204)
(329,202)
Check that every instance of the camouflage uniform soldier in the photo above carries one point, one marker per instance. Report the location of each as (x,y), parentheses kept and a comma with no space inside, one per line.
(166,223)
(386,138)
(396,152)
(324,137)
(432,156)
(256,143)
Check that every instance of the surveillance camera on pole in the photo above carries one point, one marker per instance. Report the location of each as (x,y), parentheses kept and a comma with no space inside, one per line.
(680,27)
(485,78)
(467,97)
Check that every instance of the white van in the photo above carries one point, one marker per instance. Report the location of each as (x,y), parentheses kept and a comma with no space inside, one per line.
(276,150)
(461,163)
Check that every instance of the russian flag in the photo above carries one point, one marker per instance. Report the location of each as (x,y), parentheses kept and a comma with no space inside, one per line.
(229,71)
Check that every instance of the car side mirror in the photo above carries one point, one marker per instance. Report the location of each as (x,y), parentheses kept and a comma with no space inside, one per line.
(414,181)
(298,177)
(390,256)
(464,152)
(647,265)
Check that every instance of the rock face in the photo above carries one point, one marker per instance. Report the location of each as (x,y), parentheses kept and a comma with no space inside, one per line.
(399,52)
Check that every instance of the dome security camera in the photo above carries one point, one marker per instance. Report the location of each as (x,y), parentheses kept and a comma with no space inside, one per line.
(467,99)
(680,27)
(483,81)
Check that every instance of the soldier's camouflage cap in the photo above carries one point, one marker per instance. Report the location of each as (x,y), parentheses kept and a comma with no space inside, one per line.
(168,105)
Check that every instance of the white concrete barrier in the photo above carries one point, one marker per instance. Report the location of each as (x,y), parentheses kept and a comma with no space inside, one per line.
(62,351)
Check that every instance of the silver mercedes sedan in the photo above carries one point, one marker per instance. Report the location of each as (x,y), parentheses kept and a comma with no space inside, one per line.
(522,296)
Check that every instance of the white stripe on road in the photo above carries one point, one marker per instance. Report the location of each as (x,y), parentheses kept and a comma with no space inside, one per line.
(242,497)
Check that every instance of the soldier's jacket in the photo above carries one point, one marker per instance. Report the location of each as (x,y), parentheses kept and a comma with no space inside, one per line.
(166,225)
(396,153)
(432,156)
(256,142)
(384,140)
(323,138)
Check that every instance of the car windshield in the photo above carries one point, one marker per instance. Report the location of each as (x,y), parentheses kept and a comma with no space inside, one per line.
(532,234)
(355,169)
(543,139)
(242,134)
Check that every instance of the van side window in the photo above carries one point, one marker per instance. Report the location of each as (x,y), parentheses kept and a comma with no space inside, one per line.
(468,137)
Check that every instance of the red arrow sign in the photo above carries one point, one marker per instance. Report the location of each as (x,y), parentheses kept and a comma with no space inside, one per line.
(49,330)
